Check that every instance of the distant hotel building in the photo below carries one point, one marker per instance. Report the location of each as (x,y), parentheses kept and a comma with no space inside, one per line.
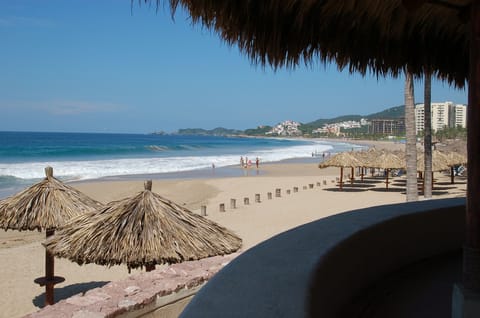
(393,127)
(445,114)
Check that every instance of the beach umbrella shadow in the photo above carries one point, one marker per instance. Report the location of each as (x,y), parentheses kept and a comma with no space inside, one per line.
(344,189)
(43,207)
(141,231)
(68,291)
(390,189)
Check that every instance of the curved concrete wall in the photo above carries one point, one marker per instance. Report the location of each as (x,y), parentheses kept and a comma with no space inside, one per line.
(315,269)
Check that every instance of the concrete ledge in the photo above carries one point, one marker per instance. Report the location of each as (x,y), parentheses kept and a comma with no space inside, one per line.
(159,293)
(316,269)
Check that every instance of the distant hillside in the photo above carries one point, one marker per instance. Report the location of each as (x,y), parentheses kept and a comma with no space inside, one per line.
(321,122)
(219,131)
(390,113)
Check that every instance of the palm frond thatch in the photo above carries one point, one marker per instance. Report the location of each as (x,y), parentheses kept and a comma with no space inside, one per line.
(342,159)
(366,156)
(145,229)
(386,160)
(361,35)
(455,158)
(44,205)
(439,161)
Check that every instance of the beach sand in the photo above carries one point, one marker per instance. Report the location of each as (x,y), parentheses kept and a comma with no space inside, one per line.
(22,254)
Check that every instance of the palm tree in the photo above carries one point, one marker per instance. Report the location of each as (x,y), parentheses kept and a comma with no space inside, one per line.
(427,136)
(411,142)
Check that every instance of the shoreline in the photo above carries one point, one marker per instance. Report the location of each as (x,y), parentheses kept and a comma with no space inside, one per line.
(234,171)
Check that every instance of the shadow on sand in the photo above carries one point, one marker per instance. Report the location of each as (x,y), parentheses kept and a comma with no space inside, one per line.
(390,189)
(68,291)
(346,189)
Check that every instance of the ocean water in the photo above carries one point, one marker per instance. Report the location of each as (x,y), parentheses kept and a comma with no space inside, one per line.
(85,156)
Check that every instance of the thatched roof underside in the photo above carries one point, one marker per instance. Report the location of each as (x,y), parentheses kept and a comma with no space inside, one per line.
(45,205)
(146,229)
(381,36)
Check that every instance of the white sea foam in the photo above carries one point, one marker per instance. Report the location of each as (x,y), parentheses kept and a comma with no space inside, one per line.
(92,169)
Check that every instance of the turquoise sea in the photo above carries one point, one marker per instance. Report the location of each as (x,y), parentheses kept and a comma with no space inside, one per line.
(86,156)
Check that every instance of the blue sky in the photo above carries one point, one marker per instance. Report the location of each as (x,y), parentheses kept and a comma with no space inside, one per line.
(105,66)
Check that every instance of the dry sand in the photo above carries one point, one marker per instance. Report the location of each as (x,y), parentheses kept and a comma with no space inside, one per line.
(22,254)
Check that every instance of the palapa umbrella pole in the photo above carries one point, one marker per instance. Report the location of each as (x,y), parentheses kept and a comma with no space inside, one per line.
(50,279)
(341,178)
(49,273)
(386,181)
(452,175)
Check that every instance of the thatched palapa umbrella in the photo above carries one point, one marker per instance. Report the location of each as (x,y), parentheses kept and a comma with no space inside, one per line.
(342,160)
(143,230)
(386,161)
(365,157)
(45,206)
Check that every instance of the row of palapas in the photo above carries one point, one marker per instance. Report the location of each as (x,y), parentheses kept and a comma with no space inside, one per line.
(387,160)
(143,230)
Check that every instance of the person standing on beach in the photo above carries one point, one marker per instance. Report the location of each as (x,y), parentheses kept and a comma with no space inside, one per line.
(241,162)
(257,162)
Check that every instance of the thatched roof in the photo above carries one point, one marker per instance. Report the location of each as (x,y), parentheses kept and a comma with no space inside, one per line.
(381,36)
(366,156)
(439,161)
(145,229)
(44,205)
(455,158)
(386,160)
(342,159)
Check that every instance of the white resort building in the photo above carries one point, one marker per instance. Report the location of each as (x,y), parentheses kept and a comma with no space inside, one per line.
(445,114)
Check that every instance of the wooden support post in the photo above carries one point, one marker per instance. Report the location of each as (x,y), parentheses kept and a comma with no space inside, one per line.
(341,178)
(49,280)
(471,258)
(466,297)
